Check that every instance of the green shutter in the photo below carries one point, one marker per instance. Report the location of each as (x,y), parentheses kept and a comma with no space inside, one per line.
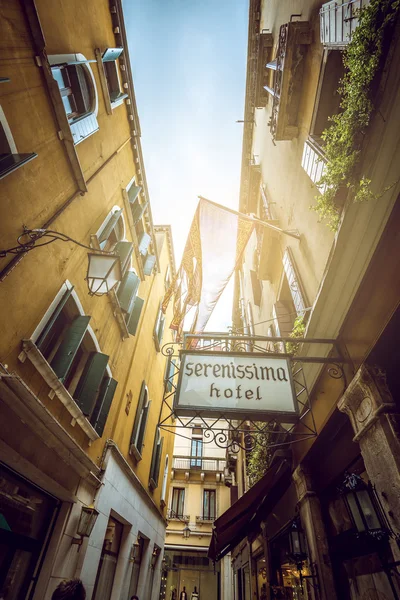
(161,328)
(103,404)
(134,317)
(109,226)
(111,54)
(138,210)
(128,290)
(149,264)
(153,482)
(69,346)
(139,409)
(40,342)
(170,375)
(124,251)
(142,428)
(133,193)
(89,384)
(156,471)
(144,243)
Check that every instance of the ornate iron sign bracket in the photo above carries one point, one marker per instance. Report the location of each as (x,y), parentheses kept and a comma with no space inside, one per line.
(233,434)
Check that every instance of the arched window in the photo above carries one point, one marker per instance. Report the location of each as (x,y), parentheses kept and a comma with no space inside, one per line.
(165,479)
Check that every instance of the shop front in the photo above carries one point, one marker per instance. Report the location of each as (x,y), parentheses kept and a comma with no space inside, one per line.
(189,571)
(27,515)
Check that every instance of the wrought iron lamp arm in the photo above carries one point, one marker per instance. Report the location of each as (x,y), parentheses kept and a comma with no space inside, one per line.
(28,240)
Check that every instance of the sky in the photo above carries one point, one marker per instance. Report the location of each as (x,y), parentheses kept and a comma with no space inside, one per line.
(189,65)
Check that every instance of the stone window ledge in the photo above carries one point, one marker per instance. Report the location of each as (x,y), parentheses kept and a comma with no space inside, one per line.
(31,352)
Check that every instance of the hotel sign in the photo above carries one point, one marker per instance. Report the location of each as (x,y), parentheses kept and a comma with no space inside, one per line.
(238,385)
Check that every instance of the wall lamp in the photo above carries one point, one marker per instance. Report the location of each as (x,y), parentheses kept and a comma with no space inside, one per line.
(154,557)
(186,532)
(104,268)
(135,551)
(86,523)
(298,551)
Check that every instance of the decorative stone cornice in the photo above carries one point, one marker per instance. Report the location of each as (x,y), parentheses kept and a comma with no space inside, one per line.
(303,482)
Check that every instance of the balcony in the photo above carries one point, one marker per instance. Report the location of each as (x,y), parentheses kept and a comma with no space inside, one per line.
(338,20)
(264,55)
(288,70)
(205,519)
(173,516)
(210,465)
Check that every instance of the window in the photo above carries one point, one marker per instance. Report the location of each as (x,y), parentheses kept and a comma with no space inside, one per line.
(108,560)
(110,237)
(138,208)
(294,282)
(265,208)
(112,230)
(178,500)
(67,345)
(111,71)
(159,328)
(170,372)
(256,287)
(167,279)
(156,460)
(139,425)
(196,452)
(10,159)
(77,88)
(209,505)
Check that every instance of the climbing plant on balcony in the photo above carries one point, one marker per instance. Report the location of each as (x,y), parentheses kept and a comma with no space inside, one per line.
(259,459)
(362,59)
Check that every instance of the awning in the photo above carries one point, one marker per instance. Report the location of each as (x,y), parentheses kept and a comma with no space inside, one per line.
(245,515)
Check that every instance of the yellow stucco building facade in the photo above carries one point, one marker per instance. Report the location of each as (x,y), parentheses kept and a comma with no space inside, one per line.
(82,376)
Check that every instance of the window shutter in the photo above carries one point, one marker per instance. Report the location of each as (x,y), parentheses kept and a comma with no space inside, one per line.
(133,193)
(103,404)
(144,243)
(138,210)
(134,318)
(128,290)
(149,264)
(111,54)
(171,365)
(158,461)
(109,226)
(161,328)
(90,381)
(124,251)
(293,278)
(283,321)
(46,330)
(142,427)
(69,346)
(139,409)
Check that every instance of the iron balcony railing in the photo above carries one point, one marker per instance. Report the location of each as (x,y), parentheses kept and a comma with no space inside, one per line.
(205,519)
(171,514)
(201,464)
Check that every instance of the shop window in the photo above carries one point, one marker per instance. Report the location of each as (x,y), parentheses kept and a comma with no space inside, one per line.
(26,515)
(196,453)
(77,88)
(140,423)
(108,560)
(10,159)
(137,563)
(156,460)
(178,502)
(110,60)
(159,329)
(69,347)
(209,505)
